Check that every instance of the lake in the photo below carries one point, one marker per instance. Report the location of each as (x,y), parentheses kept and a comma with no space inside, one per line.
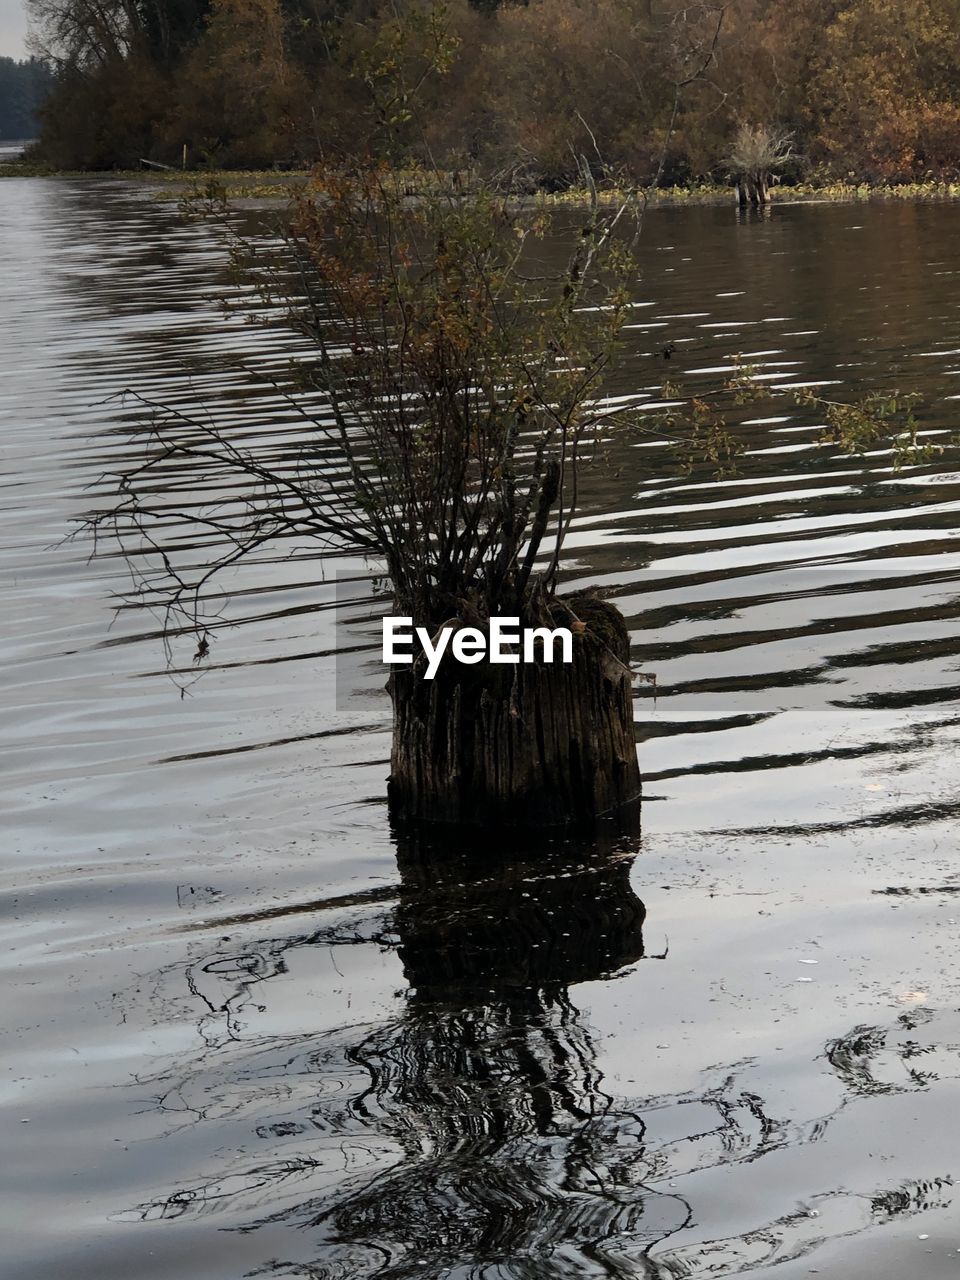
(248,1033)
(10,150)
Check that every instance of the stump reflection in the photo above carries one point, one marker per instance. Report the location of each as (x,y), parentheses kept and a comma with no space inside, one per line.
(472,1137)
(482,921)
(515,1160)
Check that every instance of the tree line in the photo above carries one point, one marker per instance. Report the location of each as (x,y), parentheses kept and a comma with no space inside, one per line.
(23,87)
(647,89)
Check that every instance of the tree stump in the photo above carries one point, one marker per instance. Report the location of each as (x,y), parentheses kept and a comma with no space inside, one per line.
(527,745)
(752,188)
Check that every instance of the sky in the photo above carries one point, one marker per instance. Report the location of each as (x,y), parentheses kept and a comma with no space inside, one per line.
(13,29)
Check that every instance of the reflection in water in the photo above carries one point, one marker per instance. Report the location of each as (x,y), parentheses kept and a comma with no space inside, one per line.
(490,1088)
(502,922)
(801,620)
(474,1136)
(477,1132)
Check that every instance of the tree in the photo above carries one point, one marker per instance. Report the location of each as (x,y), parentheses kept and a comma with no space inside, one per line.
(757,152)
(89,34)
(884,88)
(462,402)
(236,94)
(23,88)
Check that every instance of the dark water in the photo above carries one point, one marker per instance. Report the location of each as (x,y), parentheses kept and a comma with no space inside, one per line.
(249,1034)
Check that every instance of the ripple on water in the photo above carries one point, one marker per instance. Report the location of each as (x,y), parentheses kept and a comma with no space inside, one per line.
(229,1007)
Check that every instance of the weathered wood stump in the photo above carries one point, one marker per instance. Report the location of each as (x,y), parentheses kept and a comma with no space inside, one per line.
(752,188)
(527,745)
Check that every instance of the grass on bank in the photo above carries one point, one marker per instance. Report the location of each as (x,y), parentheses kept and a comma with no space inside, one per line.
(713,193)
(271,184)
(171,184)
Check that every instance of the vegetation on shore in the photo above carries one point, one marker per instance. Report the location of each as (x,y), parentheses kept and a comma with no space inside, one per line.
(174,184)
(654,91)
(271,184)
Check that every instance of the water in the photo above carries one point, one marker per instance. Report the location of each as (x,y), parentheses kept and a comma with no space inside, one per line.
(10,150)
(249,1034)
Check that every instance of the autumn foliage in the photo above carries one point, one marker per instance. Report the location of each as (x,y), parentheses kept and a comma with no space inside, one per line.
(863,88)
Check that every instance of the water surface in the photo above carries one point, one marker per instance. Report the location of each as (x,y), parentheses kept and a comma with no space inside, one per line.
(247,1033)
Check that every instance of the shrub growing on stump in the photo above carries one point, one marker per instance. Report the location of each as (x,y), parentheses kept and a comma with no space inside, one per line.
(757,153)
(465,401)
(461,399)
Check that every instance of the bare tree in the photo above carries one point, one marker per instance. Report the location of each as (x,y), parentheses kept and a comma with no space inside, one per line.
(758,151)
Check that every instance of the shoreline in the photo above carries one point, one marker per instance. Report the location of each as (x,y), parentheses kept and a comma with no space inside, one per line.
(268,184)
